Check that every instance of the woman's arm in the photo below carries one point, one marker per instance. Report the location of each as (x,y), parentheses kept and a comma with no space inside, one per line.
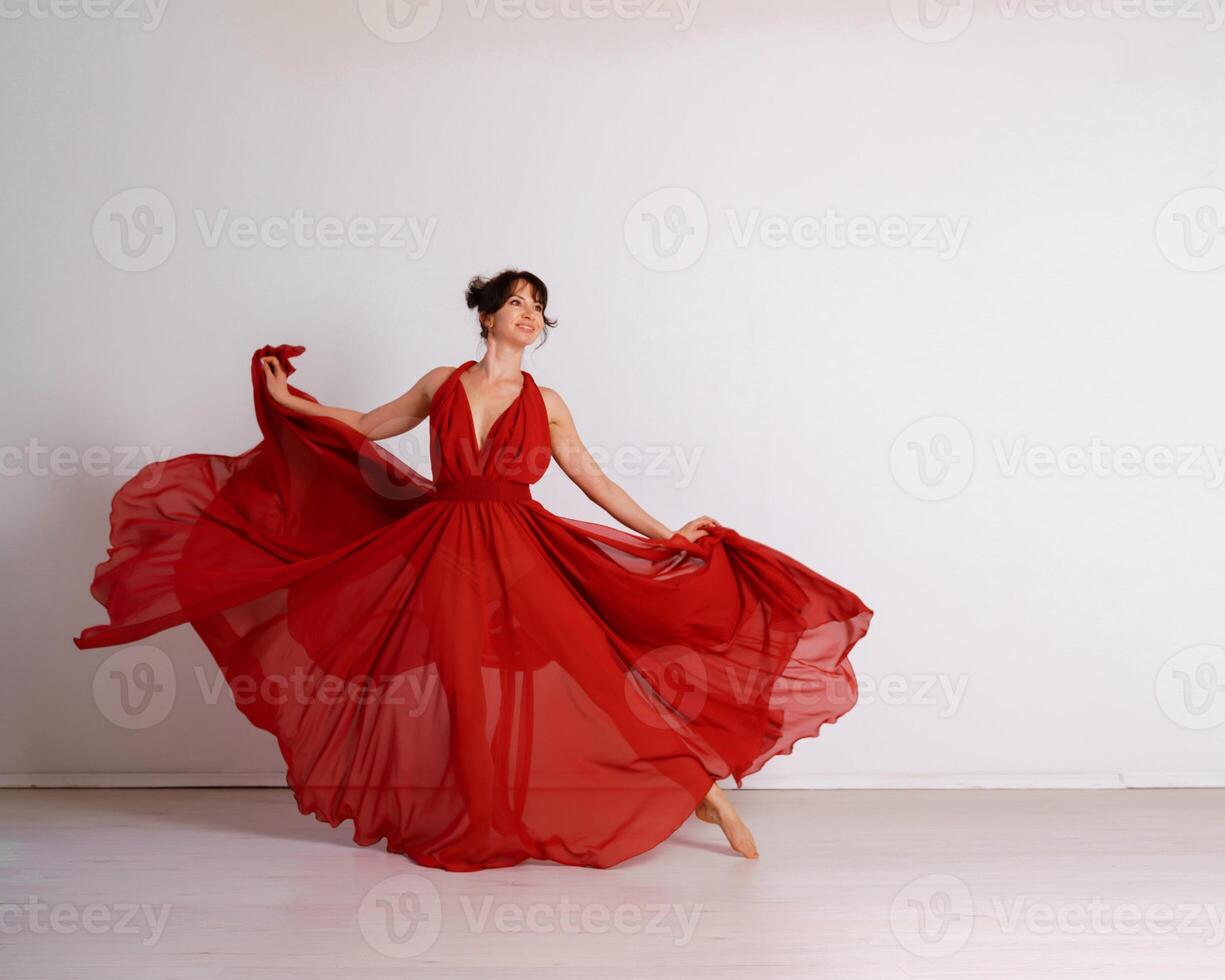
(395,417)
(576,462)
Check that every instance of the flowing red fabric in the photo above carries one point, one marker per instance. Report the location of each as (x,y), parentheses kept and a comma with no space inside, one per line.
(452,666)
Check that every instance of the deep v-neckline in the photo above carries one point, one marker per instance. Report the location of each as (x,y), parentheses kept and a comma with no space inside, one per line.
(463,393)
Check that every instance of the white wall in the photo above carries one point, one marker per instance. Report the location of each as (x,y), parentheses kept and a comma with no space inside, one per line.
(1071,310)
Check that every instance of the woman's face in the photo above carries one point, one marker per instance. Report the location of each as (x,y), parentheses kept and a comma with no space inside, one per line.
(520,318)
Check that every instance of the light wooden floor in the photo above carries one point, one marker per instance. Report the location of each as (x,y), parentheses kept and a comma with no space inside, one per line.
(170,884)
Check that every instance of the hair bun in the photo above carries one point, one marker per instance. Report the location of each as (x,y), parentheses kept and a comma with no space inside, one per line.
(476,288)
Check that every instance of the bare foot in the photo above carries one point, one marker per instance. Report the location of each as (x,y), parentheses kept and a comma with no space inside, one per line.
(717,809)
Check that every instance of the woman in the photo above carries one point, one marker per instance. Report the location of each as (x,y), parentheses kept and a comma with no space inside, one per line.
(449,664)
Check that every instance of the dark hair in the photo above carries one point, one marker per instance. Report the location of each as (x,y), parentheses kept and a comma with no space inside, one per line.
(490,295)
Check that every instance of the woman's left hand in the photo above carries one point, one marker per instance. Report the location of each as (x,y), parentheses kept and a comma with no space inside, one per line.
(696,528)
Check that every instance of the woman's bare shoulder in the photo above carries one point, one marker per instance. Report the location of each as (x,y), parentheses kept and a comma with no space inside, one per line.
(434,377)
(440,373)
(556,405)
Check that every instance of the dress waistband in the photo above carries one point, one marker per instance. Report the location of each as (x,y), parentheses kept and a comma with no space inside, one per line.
(481,490)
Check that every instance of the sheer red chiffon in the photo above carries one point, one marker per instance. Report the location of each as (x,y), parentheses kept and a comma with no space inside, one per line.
(452,666)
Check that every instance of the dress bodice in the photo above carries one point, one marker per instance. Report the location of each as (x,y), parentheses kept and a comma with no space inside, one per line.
(517,448)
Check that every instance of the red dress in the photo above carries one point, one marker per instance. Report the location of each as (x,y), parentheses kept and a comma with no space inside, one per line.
(452,666)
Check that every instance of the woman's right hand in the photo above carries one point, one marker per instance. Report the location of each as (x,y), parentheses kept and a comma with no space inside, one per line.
(274,377)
